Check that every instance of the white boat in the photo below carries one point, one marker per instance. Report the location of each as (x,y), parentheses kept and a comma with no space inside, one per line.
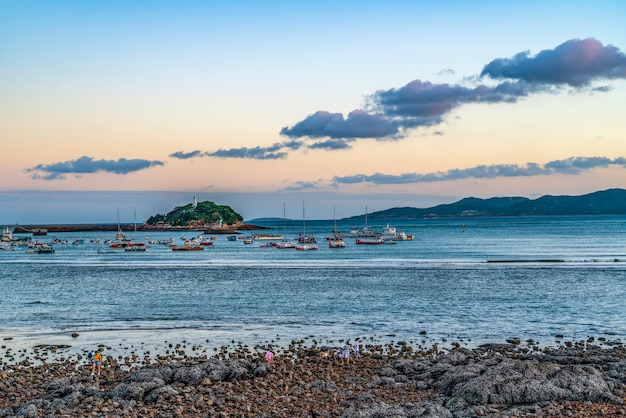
(336,240)
(285,244)
(267,237)
(306,246)
(366,232)
(305,242)
(390,233)
(7,234)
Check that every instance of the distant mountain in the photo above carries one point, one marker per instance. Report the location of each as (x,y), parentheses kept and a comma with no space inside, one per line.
(606,202)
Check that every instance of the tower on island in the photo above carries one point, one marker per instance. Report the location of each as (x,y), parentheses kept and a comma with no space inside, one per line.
(195,202)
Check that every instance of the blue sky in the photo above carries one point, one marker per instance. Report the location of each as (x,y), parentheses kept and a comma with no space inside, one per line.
(140,105)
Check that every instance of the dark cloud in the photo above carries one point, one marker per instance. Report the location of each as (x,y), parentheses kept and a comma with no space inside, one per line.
(358,124)
(273,152)
(429,102)
(332,144)
(87,165)
(255,153)
(572,165)
(186,155)
(576,63)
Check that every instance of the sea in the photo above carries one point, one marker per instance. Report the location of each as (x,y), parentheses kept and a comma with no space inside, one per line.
(467,281)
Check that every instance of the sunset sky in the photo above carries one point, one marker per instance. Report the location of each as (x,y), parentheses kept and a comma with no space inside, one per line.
(140,105)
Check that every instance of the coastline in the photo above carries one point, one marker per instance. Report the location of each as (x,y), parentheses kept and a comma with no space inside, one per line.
(579,378)
(45,229)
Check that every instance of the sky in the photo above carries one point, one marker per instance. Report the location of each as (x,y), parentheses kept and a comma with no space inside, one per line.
(338,107)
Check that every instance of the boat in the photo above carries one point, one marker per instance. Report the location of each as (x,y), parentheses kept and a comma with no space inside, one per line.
(336,240)
(267,237)
(187,247)
(206,242)
(390,233)
(369,241)
(306,246)
(135,246)
(7,234)
(232,238)
(366,232)
(285,244)
(248,240)
(37,247)
(303,238)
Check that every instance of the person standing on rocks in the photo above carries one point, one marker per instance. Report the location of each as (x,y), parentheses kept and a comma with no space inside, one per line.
(96,363)
(355,348)
(269,356)
(346,352)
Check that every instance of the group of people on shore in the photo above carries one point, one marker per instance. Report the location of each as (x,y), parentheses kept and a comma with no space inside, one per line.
(342,354)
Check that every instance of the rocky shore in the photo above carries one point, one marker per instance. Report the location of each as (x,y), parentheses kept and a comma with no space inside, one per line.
(493,380)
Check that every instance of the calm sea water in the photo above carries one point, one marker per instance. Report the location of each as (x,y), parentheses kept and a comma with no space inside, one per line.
(467,280)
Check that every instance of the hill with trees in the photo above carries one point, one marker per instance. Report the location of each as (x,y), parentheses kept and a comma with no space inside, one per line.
(606,202)
(200,214)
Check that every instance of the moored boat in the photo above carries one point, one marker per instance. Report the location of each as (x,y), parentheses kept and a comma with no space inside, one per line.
(369,241)
(391,233)
(187,247)
(336,240)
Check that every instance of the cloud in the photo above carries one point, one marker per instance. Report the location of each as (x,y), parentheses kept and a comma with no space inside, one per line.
(303,185)
(358,124)
(572,165)
(392,114)
(389,114)
(576,63)
(273,152)
(186,155)
(87,165)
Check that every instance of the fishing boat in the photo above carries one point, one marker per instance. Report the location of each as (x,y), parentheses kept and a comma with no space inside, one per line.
(391,233)
(7,234)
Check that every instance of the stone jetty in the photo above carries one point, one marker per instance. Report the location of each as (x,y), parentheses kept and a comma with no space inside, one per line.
(495,380)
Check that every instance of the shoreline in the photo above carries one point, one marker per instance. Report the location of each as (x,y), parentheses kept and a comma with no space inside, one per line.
(387,380)
(39,230)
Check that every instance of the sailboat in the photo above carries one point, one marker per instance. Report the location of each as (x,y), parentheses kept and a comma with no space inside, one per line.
(133,245)
(305,242)
(336,241)
(285,243)
(366,232)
